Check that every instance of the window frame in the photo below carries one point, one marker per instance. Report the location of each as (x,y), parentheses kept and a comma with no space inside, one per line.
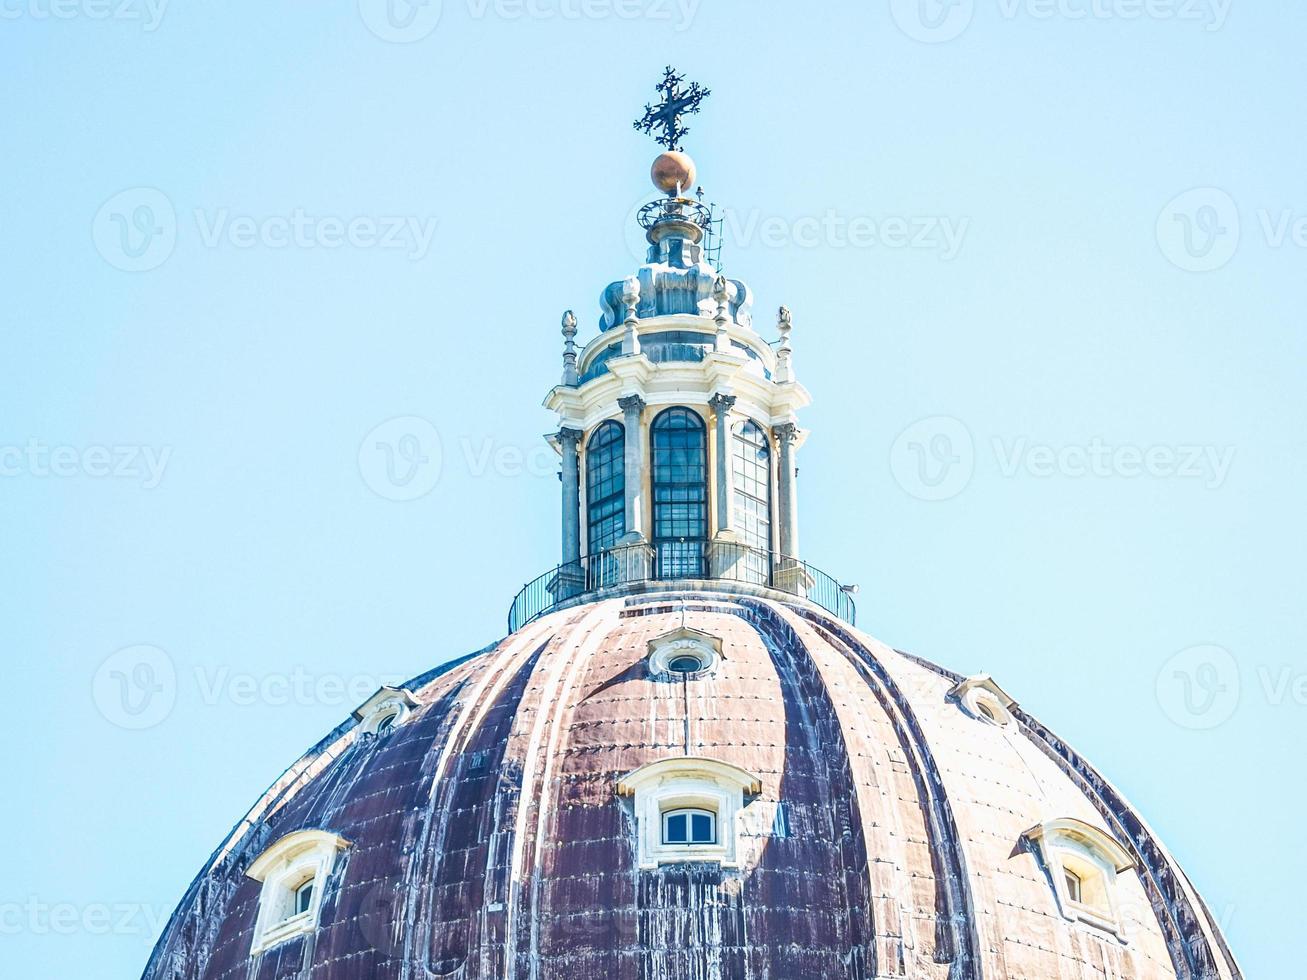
(679,493)
(689,812)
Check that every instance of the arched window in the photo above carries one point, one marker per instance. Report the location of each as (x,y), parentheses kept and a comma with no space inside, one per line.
(679,441)
(689,825)
(605,486)
(751,469)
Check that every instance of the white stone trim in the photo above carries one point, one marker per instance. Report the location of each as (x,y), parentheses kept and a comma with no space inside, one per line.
(300,857)
(1094,856)
(687,782)
(685,640)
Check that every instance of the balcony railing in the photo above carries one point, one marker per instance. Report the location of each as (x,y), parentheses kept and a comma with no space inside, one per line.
(680,560)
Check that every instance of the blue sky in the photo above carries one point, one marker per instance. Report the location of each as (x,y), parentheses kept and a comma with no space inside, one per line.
(1045,261)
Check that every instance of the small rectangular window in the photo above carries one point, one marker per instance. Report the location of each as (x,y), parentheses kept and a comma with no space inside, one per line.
(304,897)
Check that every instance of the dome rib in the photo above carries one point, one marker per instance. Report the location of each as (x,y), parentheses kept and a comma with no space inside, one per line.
(956,914)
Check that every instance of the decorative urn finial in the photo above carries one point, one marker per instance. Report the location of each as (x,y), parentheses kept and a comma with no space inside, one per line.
(784,324)
(569,348)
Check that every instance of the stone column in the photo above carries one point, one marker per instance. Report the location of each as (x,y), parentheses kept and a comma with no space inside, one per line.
(788,504)
(632,558)
(721,406)
(570,440)
(632,406)
(571,578)
(790,574)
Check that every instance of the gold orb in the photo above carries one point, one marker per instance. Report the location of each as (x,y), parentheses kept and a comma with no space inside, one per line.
(673,169)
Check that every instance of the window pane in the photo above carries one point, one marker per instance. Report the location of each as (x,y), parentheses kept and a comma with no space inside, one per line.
(702,828)
(676,829)
(1073,889)
(304,897)
(751,469)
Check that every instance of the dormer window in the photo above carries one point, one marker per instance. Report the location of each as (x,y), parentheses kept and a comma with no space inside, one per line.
(1083,864)
(687,809)
(689,826)
(983,700)
(683,652)
(386,709)
(294,873)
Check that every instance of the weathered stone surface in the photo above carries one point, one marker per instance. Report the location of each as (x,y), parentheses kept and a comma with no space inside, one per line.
(487,838)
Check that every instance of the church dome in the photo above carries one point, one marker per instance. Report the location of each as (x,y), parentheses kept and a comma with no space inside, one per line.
(896,820)
(685,760)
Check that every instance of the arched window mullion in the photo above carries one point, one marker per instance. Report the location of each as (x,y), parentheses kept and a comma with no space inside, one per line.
(605,487)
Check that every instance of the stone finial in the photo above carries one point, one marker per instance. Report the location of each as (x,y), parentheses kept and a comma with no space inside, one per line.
(569,348)
(784,324)
(721,293)
(631,300)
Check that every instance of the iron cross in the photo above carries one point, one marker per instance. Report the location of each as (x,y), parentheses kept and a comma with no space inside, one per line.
(677,102)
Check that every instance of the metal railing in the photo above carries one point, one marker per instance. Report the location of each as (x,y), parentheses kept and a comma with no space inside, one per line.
(680,560)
